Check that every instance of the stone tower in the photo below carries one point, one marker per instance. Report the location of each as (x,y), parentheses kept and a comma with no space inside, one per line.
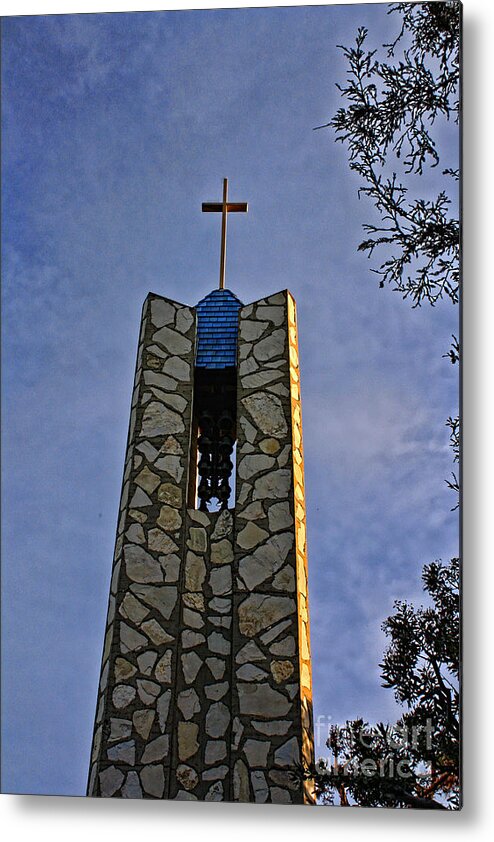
(205,690)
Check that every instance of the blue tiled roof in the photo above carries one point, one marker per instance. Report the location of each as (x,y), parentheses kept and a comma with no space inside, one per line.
(217,329)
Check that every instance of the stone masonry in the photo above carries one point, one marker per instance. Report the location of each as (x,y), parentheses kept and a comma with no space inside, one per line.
(205,690)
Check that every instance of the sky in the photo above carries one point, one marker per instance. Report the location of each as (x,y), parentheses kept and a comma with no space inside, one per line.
(115,128)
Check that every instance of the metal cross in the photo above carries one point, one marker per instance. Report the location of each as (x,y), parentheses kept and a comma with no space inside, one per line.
(225,207)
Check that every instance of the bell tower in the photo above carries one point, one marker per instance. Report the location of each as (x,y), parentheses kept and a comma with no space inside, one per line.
(205,690)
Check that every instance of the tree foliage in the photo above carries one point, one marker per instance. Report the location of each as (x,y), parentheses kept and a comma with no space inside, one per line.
(392,108)
(415,762)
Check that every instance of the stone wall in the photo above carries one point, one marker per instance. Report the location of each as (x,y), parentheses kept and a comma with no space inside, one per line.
(131,755)
(272,691)
(205,680)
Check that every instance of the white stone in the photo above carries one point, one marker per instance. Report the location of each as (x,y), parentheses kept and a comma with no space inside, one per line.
(273,633)
(160,542)
(259,786)
(237,731)
(216,666)
(171,566)
(184,320)
(250,330)
(135,534)
(260,379)
(153,780)
(192,619)
(221,622)
(123,670)
(162,598)
(188,702)
(220,604)
(191,664)
(250,432)
(174,342)
(143,722)
(220,580)
(215,751)
(130,639)
(132,787)
(123,753)
(140,499)
(156,750)
(267,413)
(215,792)
(265,560)
(247,366)
(249,672)
(177,368)
(256,752)
(219,644)
(120,729)
(171,494)
(190,639)
(199,517)
(111,780)
(131,609)
(254,511)
(175,401)
(276,484)
(217,719)
(147,480)
(221,552)
(288,754)
(270,347)
(219,772)
(140,566)
(249,652)
(159,420)
(224,525)
(123,695)
(273,314)
(148,690)
(197,540)
(163,708)
(169,518)
(241,790)
(284,647)
(252,465)
(262,700)
(155,632)
(285,579)
(279,517)
(276,728)
(195,572)
(171,465)
(148,449)
(163,670)
(251,535)
(162,312)
(215,692)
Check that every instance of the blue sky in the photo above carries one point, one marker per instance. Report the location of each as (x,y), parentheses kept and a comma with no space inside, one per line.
(115,129)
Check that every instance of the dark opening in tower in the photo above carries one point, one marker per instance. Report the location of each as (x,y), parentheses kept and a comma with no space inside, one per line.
(215,400)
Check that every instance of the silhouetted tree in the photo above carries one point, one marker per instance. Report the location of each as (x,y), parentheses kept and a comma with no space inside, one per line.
(387,125)
(392,109)
(415,762)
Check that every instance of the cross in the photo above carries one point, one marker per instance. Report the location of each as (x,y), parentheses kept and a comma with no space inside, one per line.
(225,207)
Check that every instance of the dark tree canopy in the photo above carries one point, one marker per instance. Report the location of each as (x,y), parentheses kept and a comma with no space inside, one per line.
(388,125)
(415,762)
